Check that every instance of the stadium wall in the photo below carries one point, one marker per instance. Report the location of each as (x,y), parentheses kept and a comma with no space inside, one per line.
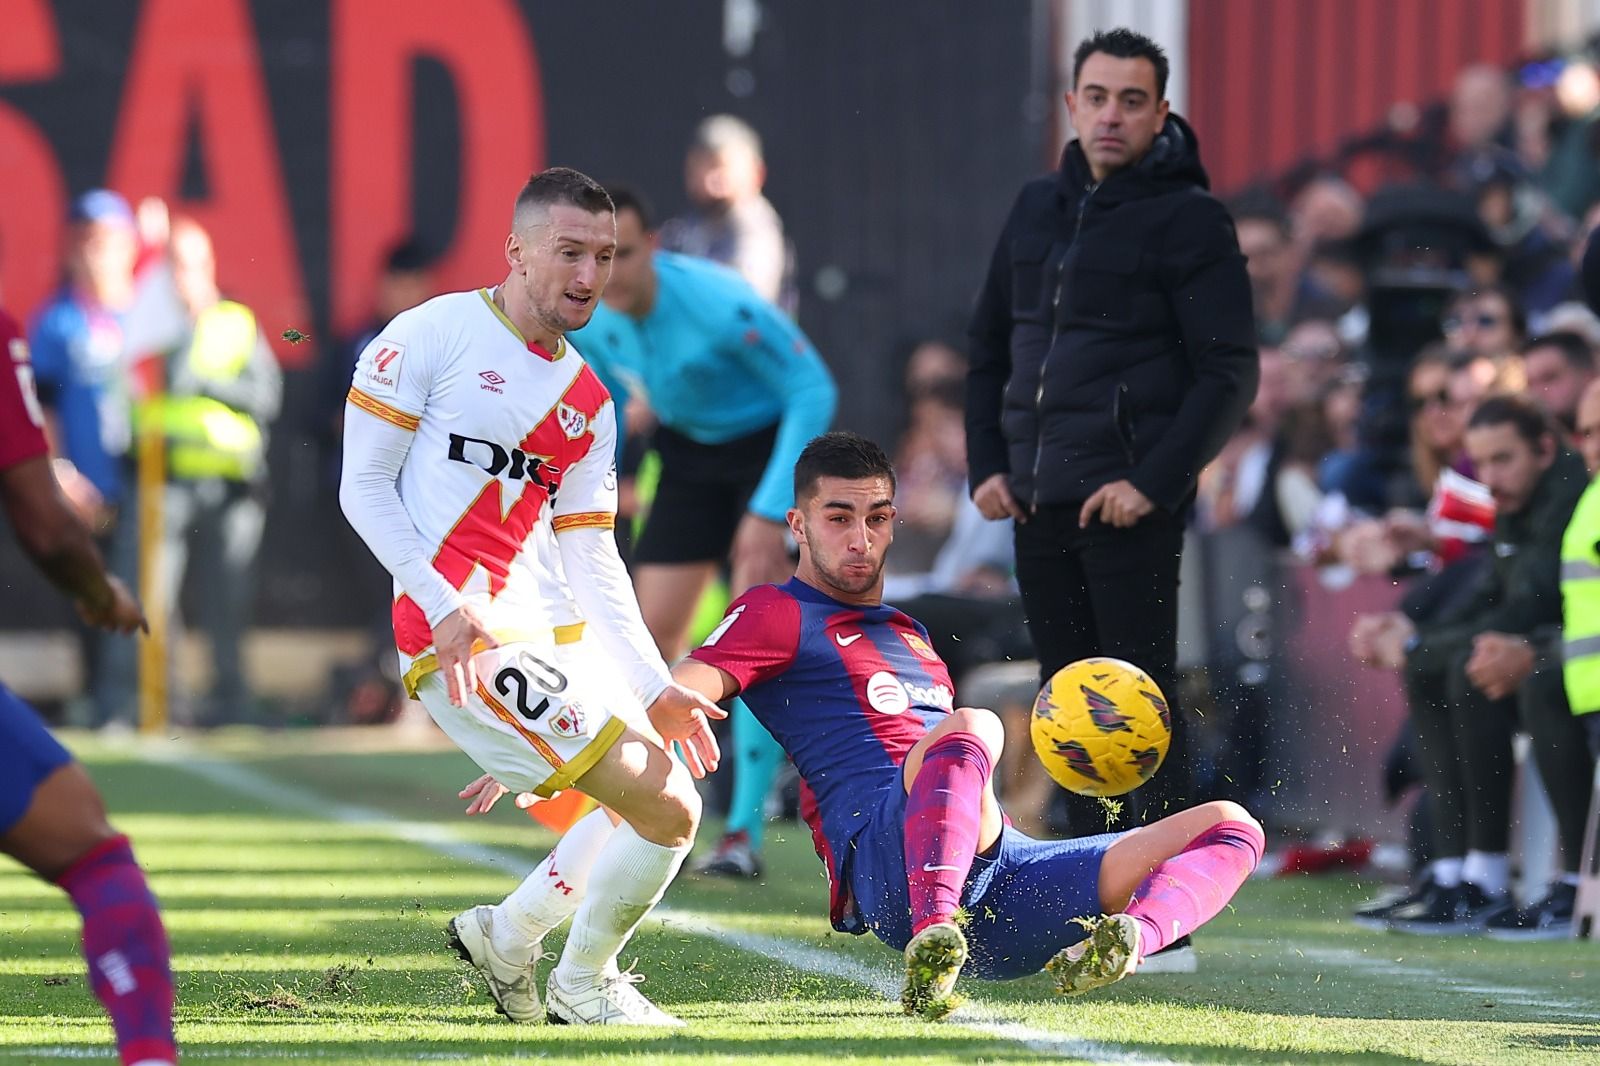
(1272,83)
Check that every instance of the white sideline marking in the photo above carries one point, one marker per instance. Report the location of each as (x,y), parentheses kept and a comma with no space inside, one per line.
(972,1015)
(227,1053)
(1535,1001)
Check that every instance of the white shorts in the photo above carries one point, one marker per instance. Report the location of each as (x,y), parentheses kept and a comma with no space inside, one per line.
(541,717)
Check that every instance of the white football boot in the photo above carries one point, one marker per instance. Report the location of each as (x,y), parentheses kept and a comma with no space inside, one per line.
(511,981)
(608,1001)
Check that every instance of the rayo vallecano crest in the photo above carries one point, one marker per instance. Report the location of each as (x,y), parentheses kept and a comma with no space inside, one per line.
(574,423)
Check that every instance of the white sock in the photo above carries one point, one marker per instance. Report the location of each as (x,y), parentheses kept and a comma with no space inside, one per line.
(1489,870)
(630,877)
(550,895)
(1447,872)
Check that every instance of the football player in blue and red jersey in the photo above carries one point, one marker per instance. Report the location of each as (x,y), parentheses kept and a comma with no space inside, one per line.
(52,819)
(897,787)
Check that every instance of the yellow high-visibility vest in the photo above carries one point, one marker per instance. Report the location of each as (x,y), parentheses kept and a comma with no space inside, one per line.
(1580,603)
(205,437)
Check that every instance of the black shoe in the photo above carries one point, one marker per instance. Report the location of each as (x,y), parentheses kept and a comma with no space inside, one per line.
(732,857)
(1376,912)
(1452,911)
(1548,919)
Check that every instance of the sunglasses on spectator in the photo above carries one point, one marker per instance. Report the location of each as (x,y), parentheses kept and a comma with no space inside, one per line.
(1427,400)
(1452,323)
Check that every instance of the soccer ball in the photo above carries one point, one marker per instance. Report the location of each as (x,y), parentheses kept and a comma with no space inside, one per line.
(1101,727)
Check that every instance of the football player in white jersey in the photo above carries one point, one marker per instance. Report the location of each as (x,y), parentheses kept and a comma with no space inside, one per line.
(478,467)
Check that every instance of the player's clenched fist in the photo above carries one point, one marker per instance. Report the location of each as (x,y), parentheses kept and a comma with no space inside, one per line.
(456,639)
(681,714)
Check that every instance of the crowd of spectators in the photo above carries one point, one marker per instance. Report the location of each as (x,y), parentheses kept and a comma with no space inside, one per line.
(1354,460)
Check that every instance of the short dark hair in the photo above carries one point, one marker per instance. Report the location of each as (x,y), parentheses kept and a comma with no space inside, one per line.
(1574,348)
(410,256)
(1520,412)
(1261,206)
(627,198)
(563,185)
(840,454)
(1123,43)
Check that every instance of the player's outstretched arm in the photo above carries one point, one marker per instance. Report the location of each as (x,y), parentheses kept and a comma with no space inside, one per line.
(583,519)
(599,582)
(712,682)
(58,541)
(772,349)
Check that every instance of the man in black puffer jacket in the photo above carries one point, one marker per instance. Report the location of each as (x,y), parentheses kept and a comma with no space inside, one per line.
(1113,352)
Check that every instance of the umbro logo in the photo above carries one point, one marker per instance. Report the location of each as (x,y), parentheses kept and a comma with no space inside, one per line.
(493,381)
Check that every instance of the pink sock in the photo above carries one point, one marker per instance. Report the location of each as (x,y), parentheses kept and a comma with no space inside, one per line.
(1193,886)
(944,815)
(130,969)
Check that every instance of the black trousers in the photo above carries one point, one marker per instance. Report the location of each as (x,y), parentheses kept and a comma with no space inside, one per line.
(1109,591)
(1464,745)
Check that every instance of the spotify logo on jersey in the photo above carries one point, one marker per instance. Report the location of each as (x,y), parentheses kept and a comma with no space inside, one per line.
(886,694)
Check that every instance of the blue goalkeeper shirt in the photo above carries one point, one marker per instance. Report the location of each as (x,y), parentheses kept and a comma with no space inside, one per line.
(716,362)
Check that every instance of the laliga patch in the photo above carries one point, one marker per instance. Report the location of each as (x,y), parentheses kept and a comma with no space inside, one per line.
(569,721)
(574,423)
(886,695)
(380,365)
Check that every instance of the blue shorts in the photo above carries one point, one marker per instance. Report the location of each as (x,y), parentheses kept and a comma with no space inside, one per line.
(1022,900)
(28,755)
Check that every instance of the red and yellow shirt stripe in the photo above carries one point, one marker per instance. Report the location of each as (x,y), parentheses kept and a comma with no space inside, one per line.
(584,520)
(374,406)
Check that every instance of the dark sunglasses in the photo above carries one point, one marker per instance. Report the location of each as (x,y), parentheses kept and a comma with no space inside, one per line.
(1421,403)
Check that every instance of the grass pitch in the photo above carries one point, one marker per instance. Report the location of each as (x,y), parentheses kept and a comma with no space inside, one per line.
(305,890)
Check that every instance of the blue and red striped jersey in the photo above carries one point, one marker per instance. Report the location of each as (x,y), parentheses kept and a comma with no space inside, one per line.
(847,690)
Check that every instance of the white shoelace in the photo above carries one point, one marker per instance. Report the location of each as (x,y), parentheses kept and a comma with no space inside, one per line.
(626,996)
